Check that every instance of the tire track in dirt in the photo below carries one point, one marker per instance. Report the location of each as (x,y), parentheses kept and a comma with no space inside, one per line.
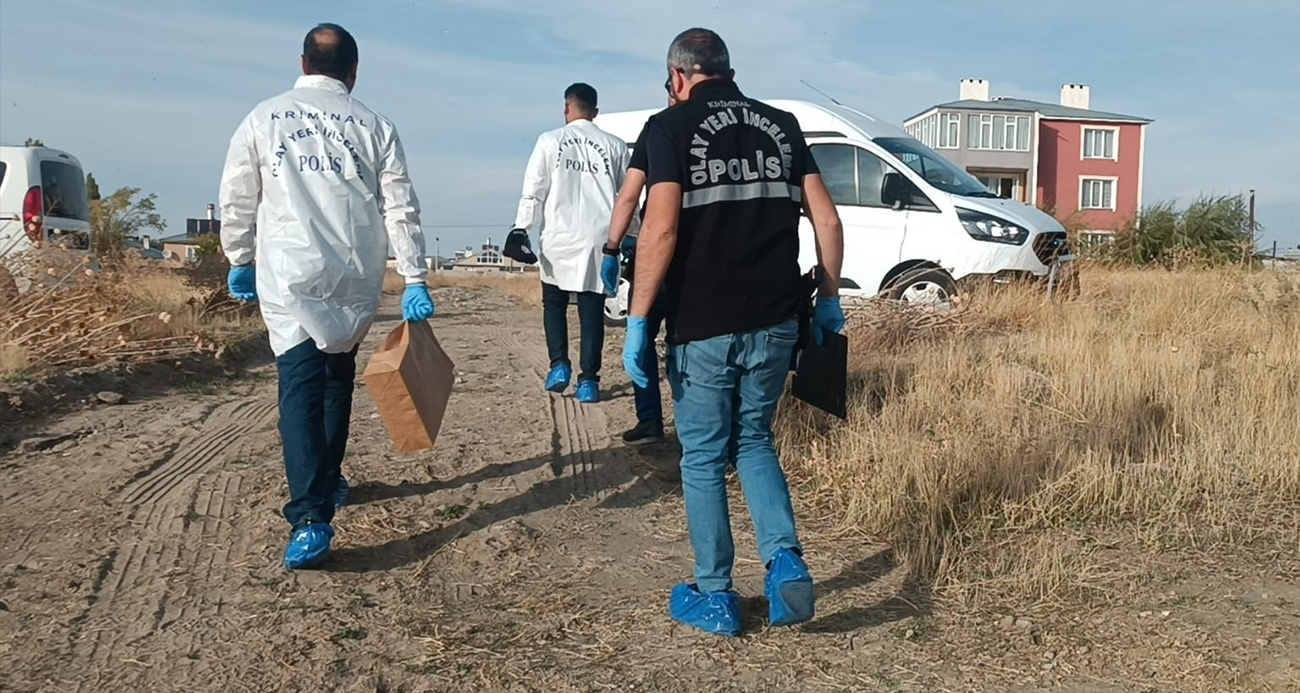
(200,602)
(179,515)
(575,428)
(235,421)
(112,620)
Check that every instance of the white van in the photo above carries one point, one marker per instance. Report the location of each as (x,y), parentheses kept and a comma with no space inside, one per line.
(42,197)
(914,222)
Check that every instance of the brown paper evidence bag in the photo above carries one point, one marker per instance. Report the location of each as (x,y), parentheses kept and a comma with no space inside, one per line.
(410,379)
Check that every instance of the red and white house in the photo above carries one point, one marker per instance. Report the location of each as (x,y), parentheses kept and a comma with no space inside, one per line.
(1065,158)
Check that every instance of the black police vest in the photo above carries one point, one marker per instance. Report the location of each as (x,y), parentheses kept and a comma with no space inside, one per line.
(741,166)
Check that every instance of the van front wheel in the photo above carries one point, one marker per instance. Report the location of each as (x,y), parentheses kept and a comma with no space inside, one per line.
(925,287)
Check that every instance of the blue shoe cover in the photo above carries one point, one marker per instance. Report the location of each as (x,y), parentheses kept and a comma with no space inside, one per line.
(588,391)
(711,612)
(341,493)
(558,379)
(308,545)
(789,588)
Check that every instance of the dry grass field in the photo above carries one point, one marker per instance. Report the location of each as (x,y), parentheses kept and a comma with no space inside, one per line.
(75,313)
(1016,450)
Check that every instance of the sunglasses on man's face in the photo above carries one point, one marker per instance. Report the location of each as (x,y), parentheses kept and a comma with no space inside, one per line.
(668,85)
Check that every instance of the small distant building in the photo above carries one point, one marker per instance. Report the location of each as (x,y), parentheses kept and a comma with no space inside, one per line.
(146,247)
(487,258)
(185,247)
(182,248)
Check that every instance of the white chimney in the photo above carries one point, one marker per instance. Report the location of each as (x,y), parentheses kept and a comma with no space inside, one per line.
(1075,96)
(212,211)
(974,90)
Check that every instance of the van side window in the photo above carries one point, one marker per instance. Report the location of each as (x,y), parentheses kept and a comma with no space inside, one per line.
(3,167)
(854,176)
(65,191)
(838,164)
(871,176)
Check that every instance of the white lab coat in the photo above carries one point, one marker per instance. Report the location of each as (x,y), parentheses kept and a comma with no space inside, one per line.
(315,188)
(572,179)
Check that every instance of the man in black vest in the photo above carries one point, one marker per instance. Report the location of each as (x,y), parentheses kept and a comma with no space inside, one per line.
(649,403)
(728,176)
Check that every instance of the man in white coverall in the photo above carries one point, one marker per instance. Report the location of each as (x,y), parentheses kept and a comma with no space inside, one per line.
(314,190)
(569,188)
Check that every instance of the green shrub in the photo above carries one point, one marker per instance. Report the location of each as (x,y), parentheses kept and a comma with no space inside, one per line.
(1211,231)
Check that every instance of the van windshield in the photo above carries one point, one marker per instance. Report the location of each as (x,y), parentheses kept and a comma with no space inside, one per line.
(935,169)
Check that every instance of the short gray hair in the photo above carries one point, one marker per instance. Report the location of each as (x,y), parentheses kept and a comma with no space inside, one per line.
(699,51)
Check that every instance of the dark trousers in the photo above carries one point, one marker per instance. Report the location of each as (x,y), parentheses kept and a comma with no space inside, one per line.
(315,409)
(649,403)
(591,318)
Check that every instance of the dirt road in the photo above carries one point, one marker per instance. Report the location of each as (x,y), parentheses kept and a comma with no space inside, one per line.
(531,550)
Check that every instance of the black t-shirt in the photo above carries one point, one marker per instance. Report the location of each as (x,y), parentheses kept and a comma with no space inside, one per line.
(638,160)
(741,165)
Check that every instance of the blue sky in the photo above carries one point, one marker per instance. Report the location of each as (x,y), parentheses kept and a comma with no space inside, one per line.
(147,94)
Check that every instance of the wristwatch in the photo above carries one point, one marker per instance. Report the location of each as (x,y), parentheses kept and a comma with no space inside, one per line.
(611,252)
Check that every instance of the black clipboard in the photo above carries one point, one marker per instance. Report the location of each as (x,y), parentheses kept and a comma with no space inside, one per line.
(821,377)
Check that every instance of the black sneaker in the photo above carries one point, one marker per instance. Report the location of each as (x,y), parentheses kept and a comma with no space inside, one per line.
(646,432)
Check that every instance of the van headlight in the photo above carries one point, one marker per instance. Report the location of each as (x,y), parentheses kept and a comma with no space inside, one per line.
(986,227)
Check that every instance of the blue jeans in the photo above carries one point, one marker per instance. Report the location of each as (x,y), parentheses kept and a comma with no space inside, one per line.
(649,403)
(315,411)
(591,321)
(725,391)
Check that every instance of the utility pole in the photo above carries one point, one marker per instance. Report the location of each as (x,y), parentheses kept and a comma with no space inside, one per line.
(437,253)
(1252,223)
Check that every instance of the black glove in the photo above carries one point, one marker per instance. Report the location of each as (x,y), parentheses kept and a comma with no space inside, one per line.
(518,248)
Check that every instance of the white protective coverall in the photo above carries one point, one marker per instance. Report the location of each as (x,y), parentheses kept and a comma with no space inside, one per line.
(572,179)
(315,188)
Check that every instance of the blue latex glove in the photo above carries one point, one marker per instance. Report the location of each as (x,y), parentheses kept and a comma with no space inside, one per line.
(609,274)
(827,315)
(417,305)
(636,347)
(242,282)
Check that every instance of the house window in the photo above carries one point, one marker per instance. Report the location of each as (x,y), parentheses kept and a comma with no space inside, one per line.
(998,132)
(981,132)
(949,127)
(1097,193)
(191,253)
(937,130)
(1101,143)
